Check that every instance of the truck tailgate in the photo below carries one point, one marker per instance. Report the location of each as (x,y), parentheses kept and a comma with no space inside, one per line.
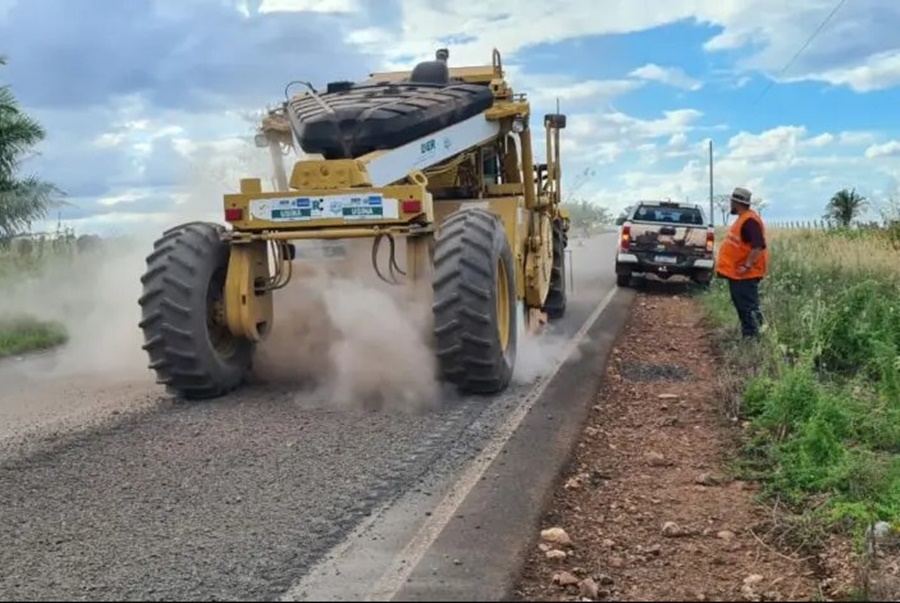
(669,238)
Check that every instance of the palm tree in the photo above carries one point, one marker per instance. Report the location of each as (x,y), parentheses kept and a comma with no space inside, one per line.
(22,199)
(844,207)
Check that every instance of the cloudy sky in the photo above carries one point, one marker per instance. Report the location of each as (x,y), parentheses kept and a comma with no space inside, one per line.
(146,102)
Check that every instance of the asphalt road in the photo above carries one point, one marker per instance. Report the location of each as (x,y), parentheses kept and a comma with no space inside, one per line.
(110,490)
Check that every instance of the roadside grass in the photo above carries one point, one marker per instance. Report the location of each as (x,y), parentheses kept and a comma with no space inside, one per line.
(24,334)
(819,395)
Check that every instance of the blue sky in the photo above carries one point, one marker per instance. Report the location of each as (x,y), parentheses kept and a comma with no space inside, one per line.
(149,104)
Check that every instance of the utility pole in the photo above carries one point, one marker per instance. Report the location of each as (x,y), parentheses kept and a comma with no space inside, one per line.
(711,210)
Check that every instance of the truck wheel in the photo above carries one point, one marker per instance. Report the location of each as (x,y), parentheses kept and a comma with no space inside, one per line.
(191,349)
(623,280)
(555,304)
(474,302)
(702,278)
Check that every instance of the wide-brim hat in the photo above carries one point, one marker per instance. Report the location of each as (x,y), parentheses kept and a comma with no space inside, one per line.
(741,195)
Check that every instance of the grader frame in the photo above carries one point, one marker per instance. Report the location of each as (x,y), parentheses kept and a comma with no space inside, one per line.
(485,223)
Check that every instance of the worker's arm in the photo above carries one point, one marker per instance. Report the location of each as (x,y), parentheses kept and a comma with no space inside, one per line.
(751,233)
(754,254)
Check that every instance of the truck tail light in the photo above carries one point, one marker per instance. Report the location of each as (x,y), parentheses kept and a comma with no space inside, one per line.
(710,240)
(234,214)
(625,238)
(411,206)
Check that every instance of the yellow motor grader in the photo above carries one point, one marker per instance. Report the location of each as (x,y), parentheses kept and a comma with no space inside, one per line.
(440,157)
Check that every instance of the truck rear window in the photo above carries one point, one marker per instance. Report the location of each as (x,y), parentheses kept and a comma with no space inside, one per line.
(669,215)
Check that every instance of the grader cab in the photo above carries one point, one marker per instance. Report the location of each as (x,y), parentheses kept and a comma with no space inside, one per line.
(440,157)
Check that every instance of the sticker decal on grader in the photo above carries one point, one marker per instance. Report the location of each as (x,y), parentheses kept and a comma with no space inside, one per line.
(347,207)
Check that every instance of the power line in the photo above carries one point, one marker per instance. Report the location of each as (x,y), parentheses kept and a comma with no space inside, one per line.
(788,65)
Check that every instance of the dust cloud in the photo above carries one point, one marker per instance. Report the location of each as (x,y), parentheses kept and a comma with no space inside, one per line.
(359,342)
(94,294)
(538,355)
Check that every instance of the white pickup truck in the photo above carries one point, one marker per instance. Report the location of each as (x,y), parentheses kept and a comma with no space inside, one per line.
(665,239)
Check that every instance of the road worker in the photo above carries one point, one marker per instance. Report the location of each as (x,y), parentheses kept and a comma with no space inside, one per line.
(744,260)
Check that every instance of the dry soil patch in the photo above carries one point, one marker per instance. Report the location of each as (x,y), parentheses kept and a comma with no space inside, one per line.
(646,503)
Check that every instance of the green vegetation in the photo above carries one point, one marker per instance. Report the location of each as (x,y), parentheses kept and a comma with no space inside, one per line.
(23,200)
(822,402)
(20,335)
(585,217)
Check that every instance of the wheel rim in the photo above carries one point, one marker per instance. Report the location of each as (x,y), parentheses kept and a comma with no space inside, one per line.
(221,339)
(503,318)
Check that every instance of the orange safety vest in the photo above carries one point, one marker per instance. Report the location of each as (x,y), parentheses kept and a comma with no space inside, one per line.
(734,251)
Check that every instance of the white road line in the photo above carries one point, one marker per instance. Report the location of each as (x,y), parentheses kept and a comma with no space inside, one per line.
(395,577)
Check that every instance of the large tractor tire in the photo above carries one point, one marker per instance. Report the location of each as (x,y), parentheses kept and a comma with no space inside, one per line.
(190,347)
(555,304)
(475,302)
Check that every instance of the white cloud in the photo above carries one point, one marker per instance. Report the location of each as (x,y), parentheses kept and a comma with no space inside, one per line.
(678,141)
(670,76)
(125,197)
(543,89)
(887,149)
(796,172)
(880,72)
(317,6)
(822,140)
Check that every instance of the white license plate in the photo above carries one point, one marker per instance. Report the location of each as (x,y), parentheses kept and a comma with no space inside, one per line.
(666,259)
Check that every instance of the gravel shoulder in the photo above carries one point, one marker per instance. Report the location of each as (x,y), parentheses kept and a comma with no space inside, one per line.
(646,500)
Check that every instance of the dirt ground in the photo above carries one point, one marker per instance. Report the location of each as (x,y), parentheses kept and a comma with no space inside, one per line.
(647,504)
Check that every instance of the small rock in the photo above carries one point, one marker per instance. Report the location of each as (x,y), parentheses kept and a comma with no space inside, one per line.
(655,459)
(564,579)
(710,479)
(555,555)
(605,580)
(591,431)
(573,483)
(753,579)
(457,562)
(588,588)
(881,530)
(705,479)
(607,543)
(725,535)
(668,396)
(556,535)
(616,562)
(544,547)
(670,528)
(654,549)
